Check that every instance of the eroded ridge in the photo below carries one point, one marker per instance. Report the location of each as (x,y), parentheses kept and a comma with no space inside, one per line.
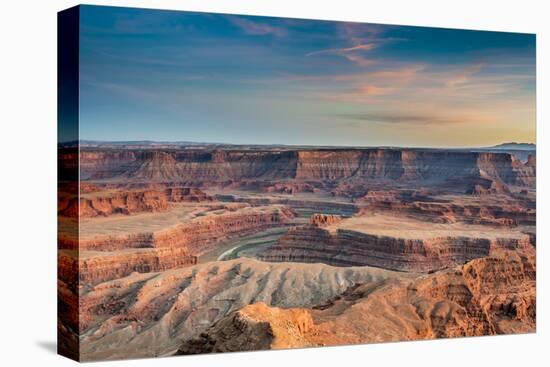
(488,296)
(392,242)
(144,315)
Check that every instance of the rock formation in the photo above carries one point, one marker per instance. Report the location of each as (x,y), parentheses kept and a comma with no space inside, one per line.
(219,166)
(401,244)
(149,314)
(323,220)
(129,202)
(493,295)
(356,247)
(97,267)
(196,236)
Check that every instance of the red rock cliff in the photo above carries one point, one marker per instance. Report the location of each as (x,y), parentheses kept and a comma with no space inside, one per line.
(374,164)
(311,244)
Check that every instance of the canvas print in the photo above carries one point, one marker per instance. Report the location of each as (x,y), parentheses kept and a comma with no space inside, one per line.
(241,183)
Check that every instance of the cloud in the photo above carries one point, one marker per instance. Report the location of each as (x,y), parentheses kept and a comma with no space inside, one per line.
(463,76)
(363,37)
(404,118)
(352,53)
(255,28)
(341,51)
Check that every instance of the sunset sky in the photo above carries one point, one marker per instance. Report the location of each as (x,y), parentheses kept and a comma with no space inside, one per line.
(179,76)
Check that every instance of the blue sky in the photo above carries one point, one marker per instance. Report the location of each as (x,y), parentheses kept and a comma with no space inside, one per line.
(166,75)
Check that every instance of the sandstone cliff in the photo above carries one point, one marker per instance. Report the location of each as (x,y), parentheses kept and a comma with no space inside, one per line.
(345,247)
(97,267)
(128,202)
(226,166)
(196,236)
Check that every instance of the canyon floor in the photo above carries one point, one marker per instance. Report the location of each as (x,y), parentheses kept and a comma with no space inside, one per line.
(181,252)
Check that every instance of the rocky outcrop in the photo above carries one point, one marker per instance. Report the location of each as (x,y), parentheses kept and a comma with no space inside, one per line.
(293,187)
(487,187)
(344,247)
(97,267)
(128,202)
(150,314)
(199,235)
(254,327)
(493,295)
(225,166)
(196,236)
(323,220)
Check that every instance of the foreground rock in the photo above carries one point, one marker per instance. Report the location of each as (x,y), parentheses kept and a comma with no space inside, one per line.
(493,295)
(145,315)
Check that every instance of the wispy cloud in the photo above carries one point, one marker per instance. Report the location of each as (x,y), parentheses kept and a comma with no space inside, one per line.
(363,38)
(355,54)
(404,118)
(340,51)
(256,28)
(464,76)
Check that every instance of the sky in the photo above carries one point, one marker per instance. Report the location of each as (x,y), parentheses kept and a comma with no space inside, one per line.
(183,76)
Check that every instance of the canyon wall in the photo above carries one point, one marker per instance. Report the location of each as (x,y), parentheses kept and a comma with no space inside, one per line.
(344,247)
(196,236)
(128,202)
(102,266)
(225,166)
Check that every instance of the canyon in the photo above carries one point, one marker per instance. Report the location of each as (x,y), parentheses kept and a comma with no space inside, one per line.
(171,249)
(127,247)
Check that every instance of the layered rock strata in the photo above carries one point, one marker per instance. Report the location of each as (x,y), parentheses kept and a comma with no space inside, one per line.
(128,202)
(323,220)
(346,247)
(226,166)
(196,236)
(97,267)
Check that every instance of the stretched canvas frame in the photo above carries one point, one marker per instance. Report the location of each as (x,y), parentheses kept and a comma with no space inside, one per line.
(241,183)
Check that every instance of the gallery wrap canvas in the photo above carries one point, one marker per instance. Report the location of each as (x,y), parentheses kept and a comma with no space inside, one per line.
(241,183)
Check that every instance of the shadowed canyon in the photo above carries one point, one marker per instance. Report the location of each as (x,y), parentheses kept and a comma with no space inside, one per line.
(212,248)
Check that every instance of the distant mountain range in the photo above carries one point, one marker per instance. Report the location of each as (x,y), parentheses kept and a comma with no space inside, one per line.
(144,144)
(515,146)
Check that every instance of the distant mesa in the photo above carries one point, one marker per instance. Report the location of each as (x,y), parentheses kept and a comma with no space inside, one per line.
(515,146)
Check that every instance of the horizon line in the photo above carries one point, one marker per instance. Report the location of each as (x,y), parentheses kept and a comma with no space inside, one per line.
(183,142)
